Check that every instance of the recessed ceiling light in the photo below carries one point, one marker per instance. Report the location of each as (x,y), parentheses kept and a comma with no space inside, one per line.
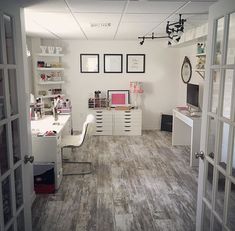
(100,25)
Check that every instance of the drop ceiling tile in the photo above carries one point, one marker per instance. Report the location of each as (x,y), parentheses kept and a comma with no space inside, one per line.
(45,6)
(162,7)
(96,6)
(98,25)
(143,18)
(35,30)
(196,7)
(61,24)
(133,30)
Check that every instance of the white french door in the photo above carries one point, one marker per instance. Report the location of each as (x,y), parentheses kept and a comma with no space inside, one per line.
(216,185)
(15,206)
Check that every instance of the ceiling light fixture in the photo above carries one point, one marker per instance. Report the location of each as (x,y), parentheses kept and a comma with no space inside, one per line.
(174,32)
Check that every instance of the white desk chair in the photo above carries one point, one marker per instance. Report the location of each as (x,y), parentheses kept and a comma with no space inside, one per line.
(76,141)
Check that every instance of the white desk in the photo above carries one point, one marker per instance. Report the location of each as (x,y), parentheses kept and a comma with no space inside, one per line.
(47,148)
(187,131)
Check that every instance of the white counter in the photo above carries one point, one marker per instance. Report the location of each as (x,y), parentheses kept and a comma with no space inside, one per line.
(48,123)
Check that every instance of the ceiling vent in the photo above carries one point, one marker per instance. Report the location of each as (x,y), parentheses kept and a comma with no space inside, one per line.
(101,25)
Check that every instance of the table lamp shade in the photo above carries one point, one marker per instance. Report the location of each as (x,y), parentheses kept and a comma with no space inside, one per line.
(136,87)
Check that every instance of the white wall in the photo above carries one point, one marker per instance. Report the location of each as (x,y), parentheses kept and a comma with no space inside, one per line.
(160,80)
(189,51)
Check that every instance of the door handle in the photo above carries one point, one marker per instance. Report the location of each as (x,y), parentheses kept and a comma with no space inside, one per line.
(28,158)
(199,155)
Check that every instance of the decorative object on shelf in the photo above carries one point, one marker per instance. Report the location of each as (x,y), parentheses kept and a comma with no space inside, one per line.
(136,88)
(186,70)
(97,103)
(97,94)
(123,108)
(201,62)
(118,97)
(51,50)
(174,32)
(201,48)
(135,63)
(89,63)
(113,63)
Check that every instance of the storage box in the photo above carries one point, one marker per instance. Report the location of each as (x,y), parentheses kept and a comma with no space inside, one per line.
(44,178)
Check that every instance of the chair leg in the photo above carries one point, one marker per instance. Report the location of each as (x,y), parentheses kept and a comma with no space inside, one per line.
(76,162)
(80,173)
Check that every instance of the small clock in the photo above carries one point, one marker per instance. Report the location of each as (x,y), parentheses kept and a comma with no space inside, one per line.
(186,70)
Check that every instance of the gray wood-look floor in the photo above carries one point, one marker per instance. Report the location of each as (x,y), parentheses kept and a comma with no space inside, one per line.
(138,183)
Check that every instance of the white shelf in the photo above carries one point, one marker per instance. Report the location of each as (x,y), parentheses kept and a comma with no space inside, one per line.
(49,55)
(202,54)
(202,70)
(50,68)
(51,96)
(50,82)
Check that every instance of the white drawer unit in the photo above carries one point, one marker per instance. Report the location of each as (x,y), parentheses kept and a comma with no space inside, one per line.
(104,122)
(114,122)
(127,123)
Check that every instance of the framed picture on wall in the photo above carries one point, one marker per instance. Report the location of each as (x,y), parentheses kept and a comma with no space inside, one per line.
(135,63)
(118,97)
(89,63)
(113,63)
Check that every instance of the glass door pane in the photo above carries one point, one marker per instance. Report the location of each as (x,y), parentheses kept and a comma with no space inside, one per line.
(13,91)
(4,157)
(8,26)
(20,222)
(228,91)
(219,41)
(212,130)
(16,140)
(220,191)
(6,200)
(233,158)
(231,208)
(2,96)
(223,158)
(215,91)
(231,41)
(209,182)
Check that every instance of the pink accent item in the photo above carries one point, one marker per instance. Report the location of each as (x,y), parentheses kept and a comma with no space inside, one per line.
(118,99)
(136,87)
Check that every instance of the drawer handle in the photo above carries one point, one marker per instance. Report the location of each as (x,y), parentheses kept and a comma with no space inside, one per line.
(99,115)
(127,122)
(127,111)
(127,118)
(98,118)
(99,112)
(127,130)
(99,122)
(99,131)
(99,126)
(127,126)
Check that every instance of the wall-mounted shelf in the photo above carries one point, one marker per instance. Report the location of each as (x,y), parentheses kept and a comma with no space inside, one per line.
(50,68)
(49,55)
(201,54)
(51,96)
(50,82)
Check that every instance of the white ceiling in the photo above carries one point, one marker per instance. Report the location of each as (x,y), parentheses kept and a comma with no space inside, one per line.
(128,19)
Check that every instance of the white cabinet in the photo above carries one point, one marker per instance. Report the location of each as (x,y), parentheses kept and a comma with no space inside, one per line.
(114,122)
(47,149)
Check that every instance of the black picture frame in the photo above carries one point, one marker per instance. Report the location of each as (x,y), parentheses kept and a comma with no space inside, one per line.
(186,70)
(84,69)
(113,56)
(133,64)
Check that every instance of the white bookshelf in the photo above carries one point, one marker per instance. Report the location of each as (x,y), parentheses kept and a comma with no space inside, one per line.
(50,68)
(50,82)
(49,55)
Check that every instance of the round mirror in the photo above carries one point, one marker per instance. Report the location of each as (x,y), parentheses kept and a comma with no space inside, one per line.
(186,70)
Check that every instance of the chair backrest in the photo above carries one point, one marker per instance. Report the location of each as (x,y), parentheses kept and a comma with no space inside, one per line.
(88,127)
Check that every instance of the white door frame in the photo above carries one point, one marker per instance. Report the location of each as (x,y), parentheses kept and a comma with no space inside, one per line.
(12,9)
(218,10)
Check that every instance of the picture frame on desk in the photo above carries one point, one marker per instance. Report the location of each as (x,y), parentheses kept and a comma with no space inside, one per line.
(118,98)
(89,63)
